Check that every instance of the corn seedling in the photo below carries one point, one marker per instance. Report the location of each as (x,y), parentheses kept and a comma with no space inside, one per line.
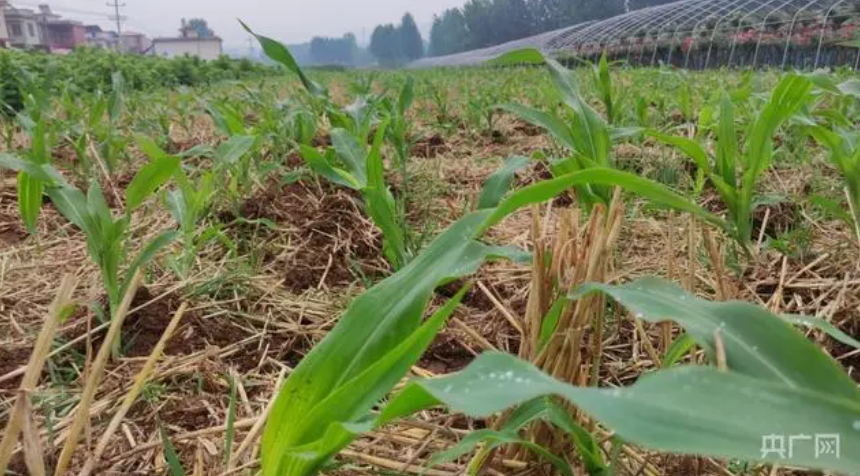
(735,174)
(108,238)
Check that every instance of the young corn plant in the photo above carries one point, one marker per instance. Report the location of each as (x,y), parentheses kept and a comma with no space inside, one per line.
(326,400)
(589,139)
(108,237)
(39,153)
(188,204)
(109,141)
(735,172)
(350,162)
(845,156)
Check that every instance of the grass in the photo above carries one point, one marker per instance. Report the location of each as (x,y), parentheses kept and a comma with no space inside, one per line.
(267,265)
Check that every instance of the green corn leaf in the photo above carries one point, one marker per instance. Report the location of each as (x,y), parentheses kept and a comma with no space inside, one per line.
(351,153)
(72,204)
(677,350)
(604,85)
(280,53)
(590,131)
(498,184)
(149,251)
(555,126)
(791,92)
(695,410)
(727,143)
(170,454)
(43,172)
(688,146)
(824,326)
(381,319)
(757,343)
(233,149)
(150,148)
(654,191)
(378,320)
(494,439)
(354,398)
(29,200)
(407,95)
(177,205)
(549,323)
(231,421)
(149,179)
(380,204)
(320,164)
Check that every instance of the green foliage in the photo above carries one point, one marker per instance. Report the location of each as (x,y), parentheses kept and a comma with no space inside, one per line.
(91,70)
(373,345)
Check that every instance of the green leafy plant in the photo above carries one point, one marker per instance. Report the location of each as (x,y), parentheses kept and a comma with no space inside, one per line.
(845,155)
(734,173)
(108,237)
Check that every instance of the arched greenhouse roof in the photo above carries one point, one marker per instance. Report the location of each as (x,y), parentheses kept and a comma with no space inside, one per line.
(719,32)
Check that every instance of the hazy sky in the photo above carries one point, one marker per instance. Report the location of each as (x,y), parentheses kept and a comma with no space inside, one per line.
(292,21)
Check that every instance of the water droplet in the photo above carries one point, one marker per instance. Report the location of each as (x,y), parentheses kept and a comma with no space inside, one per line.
(755,348)
(722,325)
(448,388)
(518,380)
(492,375)
(856,425)
(683,297)
(616,393)
(509,375)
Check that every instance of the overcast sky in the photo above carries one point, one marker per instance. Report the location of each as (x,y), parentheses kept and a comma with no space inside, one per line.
(292,21)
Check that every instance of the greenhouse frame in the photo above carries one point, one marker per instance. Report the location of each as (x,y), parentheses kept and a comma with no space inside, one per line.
(701,34)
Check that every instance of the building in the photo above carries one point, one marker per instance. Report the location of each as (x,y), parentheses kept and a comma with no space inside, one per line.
(101,39)
(188,43)
(22,26)
(133,42)
(61,35)
(4,32)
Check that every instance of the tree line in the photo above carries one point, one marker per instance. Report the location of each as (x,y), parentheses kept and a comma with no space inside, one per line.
(393,45)
(484,23)
(478,24)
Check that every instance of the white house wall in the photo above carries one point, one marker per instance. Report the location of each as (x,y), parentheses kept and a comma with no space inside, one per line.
(207,50)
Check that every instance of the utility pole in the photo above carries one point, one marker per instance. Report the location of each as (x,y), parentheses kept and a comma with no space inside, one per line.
(116,6)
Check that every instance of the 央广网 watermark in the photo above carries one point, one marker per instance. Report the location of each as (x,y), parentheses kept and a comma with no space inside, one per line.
(822,445)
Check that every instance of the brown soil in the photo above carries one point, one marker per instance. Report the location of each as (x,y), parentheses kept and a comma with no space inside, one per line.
(12,357)
(429,147)
(322,140)
(784,217)
(328,233)
(445,355)
(526,129)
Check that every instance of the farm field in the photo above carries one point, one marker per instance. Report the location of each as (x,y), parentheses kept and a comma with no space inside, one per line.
(444,240)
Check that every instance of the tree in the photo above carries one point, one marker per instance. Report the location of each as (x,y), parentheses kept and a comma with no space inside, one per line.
(385,45)
(201,27)
(510,20)
(340,51)
(411,42)
(449,33)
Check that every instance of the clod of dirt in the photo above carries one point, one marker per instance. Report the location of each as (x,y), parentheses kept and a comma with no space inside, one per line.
(429,147)
(328,234)
(445,355)
(322,140)
(527,129)
(539,172)
(12,357)
(784,217)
